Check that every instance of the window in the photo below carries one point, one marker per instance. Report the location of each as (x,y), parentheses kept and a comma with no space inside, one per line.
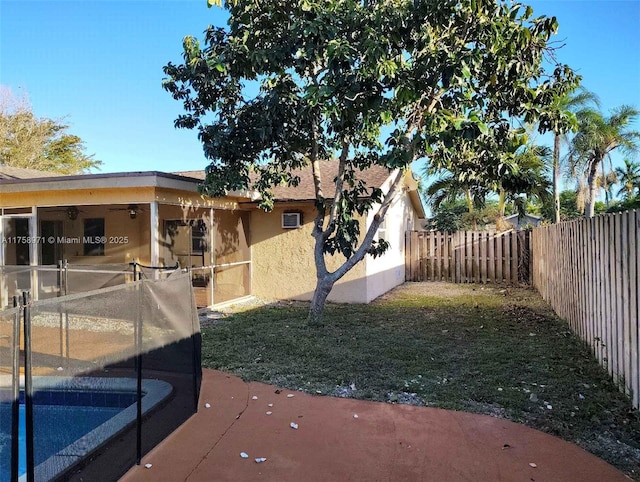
(187,243)
(198,237)
(94,239)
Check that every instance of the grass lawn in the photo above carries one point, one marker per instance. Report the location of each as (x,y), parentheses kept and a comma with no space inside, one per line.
(462,347)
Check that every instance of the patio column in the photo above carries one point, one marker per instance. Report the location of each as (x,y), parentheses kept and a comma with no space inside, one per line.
(3,303)
(212,261)
(154,233)
(34,254)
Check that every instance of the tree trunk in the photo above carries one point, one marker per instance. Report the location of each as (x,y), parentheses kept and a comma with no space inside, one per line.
(467,195)
(502,202)
(592,185)
(556,178)
(316,310)
(325,279)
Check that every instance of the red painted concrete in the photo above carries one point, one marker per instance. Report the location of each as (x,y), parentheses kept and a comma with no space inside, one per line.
(385,443)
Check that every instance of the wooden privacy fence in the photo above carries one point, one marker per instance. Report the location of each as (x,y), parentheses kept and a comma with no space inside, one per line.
(468,256)
(588,270)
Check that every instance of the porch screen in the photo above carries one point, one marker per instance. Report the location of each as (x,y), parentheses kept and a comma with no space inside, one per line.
(232,251)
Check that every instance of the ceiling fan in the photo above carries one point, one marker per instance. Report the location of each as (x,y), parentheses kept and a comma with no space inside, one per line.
(72,212)
(132,209)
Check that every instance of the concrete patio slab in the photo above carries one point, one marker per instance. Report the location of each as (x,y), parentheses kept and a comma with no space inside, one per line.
(383,443)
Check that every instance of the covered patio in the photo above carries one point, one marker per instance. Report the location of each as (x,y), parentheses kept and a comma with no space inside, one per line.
(107,221)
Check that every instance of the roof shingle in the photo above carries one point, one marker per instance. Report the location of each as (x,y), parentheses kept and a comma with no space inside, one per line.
(375,176)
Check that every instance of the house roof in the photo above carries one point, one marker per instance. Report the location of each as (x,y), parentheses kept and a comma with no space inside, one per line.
(375,176)
(10,172)
(58,181)
(128,180)
(305,190)
(29,180)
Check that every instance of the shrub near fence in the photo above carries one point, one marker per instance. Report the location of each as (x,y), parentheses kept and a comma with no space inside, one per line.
(588,270)
(468,256)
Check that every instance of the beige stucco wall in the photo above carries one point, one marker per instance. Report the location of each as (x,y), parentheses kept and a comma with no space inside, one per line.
(283,265)
(127,239)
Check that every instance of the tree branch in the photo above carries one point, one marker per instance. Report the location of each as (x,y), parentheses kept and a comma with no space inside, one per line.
(338,194)
(373,228)
(317,232)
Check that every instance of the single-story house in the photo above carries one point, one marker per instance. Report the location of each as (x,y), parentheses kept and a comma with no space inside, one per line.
(233,248)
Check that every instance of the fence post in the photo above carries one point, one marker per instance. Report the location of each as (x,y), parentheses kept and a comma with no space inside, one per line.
(138,345)
(65,277)
(28,386)
(15,392)
(60,316)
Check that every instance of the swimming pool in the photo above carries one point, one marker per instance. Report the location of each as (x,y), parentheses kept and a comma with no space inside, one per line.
(75,416)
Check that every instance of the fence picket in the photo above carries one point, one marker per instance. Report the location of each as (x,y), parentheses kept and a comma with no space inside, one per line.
(619,342)
(626,302)
(491,261)
(634,295)
(468,254)
(612,327)
(482,239)
(499,275)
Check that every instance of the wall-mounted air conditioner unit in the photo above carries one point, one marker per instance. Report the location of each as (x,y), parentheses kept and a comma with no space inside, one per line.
(291,220)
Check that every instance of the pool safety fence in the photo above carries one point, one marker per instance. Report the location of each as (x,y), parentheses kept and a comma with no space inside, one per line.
(90,382)
(51,281)
(213,284)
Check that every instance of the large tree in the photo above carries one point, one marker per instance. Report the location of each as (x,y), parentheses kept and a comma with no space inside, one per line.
(598,136)
(524,180)
(38,143)
(292,83)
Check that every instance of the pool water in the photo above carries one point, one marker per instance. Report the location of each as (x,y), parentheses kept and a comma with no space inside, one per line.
(56,426)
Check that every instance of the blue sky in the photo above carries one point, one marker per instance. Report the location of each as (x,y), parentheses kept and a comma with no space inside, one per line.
(98,64)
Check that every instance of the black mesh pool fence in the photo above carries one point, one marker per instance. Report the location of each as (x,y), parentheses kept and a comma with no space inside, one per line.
(112,372)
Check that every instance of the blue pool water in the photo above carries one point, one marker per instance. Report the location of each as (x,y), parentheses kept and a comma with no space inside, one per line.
(59,419)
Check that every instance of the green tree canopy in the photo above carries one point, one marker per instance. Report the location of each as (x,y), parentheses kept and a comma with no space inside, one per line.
(629,177)
(375,82)
(38,143)
(596,138)
(568,105)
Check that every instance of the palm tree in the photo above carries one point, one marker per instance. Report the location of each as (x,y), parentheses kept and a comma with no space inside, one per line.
(569,105)
(528,178)
(597,137)
(629,177)
(451,186)
(606,181)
